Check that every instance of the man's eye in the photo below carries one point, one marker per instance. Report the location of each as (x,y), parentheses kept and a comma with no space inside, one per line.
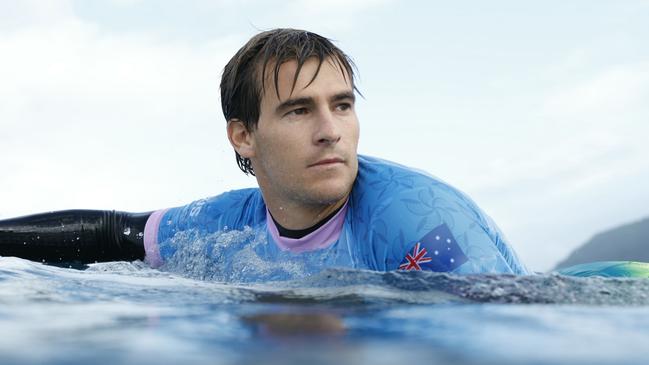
(298,111)
(344,106)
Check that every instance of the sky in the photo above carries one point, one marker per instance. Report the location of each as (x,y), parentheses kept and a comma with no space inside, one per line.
(537,110)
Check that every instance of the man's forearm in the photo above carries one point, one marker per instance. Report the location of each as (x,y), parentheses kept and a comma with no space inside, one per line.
(84,236)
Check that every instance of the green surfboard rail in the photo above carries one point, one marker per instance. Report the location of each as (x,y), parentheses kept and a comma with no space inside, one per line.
(609,269)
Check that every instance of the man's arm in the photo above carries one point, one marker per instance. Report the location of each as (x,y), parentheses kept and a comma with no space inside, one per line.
(79,236)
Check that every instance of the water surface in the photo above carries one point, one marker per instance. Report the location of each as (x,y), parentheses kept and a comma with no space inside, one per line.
(128,313)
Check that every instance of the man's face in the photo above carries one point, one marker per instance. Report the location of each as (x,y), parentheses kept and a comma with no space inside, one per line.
(304,147)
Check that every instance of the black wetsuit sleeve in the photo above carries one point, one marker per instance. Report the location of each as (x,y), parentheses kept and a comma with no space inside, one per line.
(74,236)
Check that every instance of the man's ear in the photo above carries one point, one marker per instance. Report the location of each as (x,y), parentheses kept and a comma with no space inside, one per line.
(241,138)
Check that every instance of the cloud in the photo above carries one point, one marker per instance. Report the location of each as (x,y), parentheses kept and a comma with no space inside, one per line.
(328,17)
(115,120)
(121,120)
(115,105)
(333,7)
(73,61)
(611,91)
(33,13)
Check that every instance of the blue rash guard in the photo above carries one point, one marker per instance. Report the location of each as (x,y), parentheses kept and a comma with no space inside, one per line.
(396,218)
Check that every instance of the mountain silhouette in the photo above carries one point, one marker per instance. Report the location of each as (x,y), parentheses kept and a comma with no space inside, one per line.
(629,242)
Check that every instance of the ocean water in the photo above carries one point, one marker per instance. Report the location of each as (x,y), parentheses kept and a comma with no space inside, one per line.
(125,312)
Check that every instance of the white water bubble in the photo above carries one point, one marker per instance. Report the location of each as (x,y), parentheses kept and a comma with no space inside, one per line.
(230,256)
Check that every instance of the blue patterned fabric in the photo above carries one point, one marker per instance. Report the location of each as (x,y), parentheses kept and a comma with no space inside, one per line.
(394,212)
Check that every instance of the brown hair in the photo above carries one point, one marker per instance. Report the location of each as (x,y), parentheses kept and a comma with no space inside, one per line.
(242,83)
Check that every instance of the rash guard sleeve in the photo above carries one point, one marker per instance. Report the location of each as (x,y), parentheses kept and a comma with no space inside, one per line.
(74,236)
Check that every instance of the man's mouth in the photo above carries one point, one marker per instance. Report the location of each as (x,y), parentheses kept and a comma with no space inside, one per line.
(328,161)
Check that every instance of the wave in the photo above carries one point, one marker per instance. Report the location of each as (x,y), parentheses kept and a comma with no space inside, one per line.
(34,281)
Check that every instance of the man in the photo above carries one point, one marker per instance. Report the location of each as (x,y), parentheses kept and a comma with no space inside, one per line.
(288,98)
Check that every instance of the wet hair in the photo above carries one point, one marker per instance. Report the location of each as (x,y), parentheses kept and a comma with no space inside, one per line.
(245,75)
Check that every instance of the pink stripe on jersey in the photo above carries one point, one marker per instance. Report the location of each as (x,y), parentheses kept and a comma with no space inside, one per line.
(322,237)
(151,250)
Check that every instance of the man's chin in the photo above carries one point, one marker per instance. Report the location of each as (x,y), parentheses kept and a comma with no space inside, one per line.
(331,196)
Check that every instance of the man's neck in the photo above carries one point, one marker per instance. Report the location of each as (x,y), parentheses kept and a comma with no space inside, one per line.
(296,216)
(300,233)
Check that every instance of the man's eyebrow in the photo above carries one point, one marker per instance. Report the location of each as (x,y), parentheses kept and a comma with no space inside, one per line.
(287,104)
(294,102)
(344,95)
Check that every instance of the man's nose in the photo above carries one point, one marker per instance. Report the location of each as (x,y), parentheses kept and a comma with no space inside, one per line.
(327,128)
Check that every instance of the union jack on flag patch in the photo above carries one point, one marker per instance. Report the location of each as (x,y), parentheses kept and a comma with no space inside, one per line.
(418,256)
(436,251)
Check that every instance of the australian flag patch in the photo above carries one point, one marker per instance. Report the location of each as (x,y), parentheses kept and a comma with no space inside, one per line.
(436,251)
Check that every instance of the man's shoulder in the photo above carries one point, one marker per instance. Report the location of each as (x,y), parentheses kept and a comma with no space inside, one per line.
(399,206)
(388,189)
(233,203)
(374,168)
(236,196)
(380,178)
(241,205)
